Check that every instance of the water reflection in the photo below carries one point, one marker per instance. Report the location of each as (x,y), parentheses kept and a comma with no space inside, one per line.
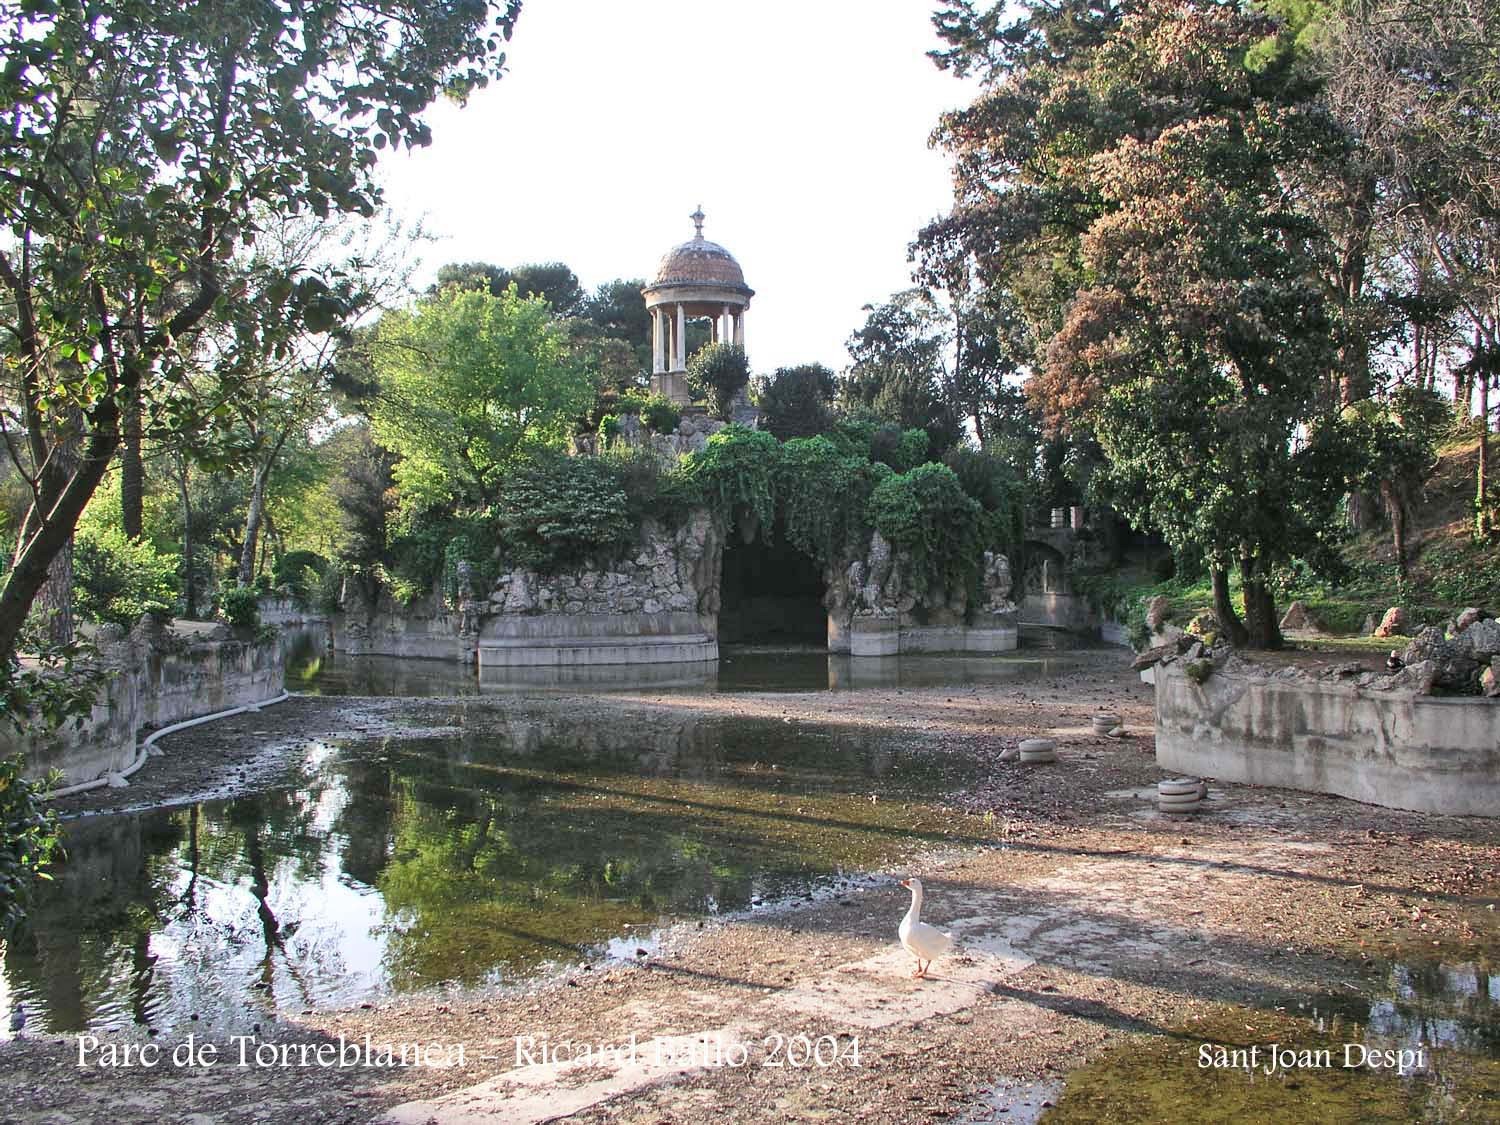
(396,864)
(739,670)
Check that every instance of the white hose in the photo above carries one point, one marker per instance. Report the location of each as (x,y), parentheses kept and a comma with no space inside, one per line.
(144,752)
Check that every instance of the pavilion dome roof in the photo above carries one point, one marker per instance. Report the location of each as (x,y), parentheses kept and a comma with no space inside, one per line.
(700,263)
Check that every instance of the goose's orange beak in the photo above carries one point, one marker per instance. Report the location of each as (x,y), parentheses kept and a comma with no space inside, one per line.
(906,883)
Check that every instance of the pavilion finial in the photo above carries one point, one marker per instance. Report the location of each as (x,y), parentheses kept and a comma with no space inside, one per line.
(698,217)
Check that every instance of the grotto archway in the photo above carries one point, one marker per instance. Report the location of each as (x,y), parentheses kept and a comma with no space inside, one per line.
(770,593)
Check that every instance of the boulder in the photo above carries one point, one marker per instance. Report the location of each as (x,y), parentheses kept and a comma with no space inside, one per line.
(1153,656)
(1204,622)
(1468,617)
(1489,681)
(1297,618)
(1480,640)
(1443,664)
(1395,622)
(1370,625)
(1156,612)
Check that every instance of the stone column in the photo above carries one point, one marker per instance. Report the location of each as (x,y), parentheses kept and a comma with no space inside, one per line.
(679,353)
(658,344)
(739,329)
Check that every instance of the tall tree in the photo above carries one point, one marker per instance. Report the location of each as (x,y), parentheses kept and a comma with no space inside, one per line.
(141,142)
(897,367)
(466,380)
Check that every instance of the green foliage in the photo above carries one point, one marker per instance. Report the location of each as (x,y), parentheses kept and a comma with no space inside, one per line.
(115,578)
(1463,574)
(556,511)
(240,607)
(660,415)
(797,402)
(609,427)
(299,573)
(657,413)
(468,379)
(898,448)
(926,513)
(821,492)
(28,840)
(330,590)
(716,374)
(994,485)
(735,474)
(149,144)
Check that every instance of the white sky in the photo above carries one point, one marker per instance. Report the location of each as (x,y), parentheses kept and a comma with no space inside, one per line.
(801,128)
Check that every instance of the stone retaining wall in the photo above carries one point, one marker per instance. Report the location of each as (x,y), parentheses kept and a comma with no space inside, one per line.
(1396,749)
(154,679)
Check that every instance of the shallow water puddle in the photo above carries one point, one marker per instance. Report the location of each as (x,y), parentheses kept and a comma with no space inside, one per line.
(480,858)
(1425,1046)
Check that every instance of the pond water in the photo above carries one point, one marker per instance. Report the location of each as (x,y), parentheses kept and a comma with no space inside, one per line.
(316,672)
(397,864)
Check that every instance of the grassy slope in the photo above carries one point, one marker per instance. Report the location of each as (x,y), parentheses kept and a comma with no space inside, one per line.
(1448,569)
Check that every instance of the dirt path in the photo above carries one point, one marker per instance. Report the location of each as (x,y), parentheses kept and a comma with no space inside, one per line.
(1087,926)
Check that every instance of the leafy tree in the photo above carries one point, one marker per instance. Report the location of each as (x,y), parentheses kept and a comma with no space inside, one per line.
(618,310)
(797,402)
(466,381)
(717,373)
(117,578)
(1393,446)
(897,368)
(143,143)
(553,282)
(1204,329)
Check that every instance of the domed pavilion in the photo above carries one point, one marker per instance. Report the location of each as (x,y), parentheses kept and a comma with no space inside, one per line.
(696,279)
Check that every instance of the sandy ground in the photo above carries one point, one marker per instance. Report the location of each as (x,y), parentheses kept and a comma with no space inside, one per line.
(1084,918)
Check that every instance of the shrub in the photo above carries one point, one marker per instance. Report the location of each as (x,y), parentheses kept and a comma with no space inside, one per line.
(821,493)
(240,607)
(330,590)
(717,373)
(797,402)
(995,487)
(660,415)
(298,572)
(926,513)
(114,578)
(28,838)
(556,511)
(735,474)
(901,449)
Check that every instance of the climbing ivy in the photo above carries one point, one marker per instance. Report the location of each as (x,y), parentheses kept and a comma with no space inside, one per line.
(735,473)
(926,514)
(821,492)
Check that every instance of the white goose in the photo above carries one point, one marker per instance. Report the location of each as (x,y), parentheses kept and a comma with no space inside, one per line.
(922,941)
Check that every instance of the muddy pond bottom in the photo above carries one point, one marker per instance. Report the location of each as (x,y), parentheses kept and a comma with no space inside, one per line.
(520,843)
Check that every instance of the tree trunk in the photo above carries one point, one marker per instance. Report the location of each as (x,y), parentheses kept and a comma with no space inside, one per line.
(56,597)
(189,586)
(252,529)
(1395,505)
(132,472)
(1229,620)
(1483,520)
(1260,608)
(1363,510)
(35,554)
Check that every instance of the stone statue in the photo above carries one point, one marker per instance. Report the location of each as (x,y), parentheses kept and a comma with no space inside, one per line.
(995,583)
(468,604)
